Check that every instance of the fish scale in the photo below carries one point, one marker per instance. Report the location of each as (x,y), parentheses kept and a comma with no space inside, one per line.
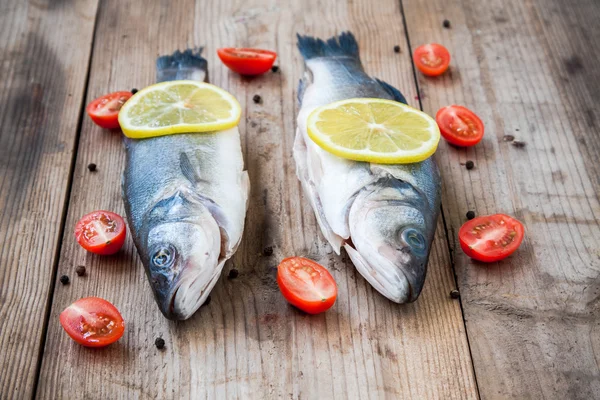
(383,215)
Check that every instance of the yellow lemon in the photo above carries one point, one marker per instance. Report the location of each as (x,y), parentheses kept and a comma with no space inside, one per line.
(178,107)
(374,130)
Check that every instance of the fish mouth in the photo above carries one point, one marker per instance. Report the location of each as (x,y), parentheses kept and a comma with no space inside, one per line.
(189,295)
(393,283)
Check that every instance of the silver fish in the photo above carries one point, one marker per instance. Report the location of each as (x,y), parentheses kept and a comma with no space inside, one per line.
(385,216)
(186,197)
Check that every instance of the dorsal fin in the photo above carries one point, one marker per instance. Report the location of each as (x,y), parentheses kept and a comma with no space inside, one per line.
(395,93)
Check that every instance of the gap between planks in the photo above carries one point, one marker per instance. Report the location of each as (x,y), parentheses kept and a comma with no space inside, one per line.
(65,210)
(442,214)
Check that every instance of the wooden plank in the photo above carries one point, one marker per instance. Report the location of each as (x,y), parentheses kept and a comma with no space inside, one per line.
(248,343)
(44,54)
(529,69)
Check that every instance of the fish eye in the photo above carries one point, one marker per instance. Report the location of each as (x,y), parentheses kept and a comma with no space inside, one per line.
(163,256)
(414,239)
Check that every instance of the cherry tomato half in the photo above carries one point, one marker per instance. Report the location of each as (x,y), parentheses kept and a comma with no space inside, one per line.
(101,232)
(459,125)
(306,284)
(431,59)
(491,238)
(247,61)
(93,322)
(104,111)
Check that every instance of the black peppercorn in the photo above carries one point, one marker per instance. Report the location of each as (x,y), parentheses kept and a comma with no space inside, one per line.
(64,280)
(274,68)
(470,164)
(446,24)
(470,214)
(134,91)
(92,167)
(233,274)
(80,270)
(455,294)
(159,343)
(256,99)
(396,49)
(268,251)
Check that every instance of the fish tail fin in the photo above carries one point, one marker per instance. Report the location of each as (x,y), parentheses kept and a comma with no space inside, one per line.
(187,64)
(344,45)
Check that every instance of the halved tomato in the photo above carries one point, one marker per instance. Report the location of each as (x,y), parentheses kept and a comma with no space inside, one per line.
(459,125)
(247,61)
(306,284)
(491,238)
(104,111)
(93,322)
(101,232)
(431,59)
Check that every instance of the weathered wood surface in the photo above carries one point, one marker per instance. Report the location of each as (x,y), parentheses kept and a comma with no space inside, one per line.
(529,69)
(248,342)
(44,54)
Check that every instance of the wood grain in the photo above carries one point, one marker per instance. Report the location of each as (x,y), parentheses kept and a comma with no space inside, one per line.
(44,55)
(248,343)
(529,69)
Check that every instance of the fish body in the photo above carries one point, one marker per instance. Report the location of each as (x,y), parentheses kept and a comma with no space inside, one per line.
(185,197)
(385,216)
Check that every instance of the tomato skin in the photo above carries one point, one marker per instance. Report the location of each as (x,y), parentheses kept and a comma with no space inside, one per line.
(431,59)
(491,238)
(101,232)
(459,125)
(246,61)
(104,110)
(312,297)
(93,322)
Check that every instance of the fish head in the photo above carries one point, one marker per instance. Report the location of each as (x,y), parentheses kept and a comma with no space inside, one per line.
(391,231)
(182,258)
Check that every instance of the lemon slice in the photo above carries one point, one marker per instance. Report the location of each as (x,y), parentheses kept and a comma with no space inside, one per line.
(374,130)
(178,107)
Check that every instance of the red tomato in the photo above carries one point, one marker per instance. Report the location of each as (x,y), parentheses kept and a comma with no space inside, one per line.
(431,59)
(459,125)
(306,284)
(93,322)
(105,110)
(491,238)
(101,232)
(247,61)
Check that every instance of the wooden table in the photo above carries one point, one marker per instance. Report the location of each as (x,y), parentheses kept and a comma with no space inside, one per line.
(526,327)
